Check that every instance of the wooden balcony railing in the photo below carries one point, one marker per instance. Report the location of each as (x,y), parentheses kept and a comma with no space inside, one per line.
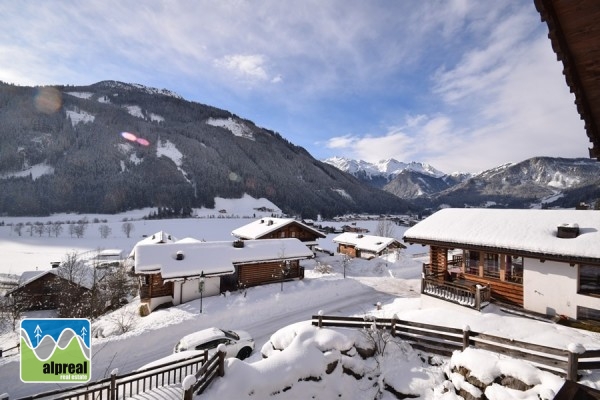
(460,291)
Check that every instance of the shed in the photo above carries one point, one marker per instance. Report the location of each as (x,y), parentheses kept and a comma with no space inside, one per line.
(279,228)
(365,246)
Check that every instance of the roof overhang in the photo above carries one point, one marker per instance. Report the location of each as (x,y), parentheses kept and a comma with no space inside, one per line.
(505,250)
(574,32)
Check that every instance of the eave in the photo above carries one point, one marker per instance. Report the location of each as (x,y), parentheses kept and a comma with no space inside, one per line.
(505,250)
(574,32)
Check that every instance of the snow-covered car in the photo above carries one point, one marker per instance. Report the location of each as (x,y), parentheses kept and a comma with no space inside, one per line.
(237,343)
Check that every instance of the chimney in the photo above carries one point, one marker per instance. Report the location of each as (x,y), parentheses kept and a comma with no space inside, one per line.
(567,231)
(238,244)
(55,264)
(179,255)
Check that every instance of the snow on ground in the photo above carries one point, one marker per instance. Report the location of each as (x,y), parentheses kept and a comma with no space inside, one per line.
(35,171)
(136,111)
(81,95)
(235,127)
(279,314)
(79,116)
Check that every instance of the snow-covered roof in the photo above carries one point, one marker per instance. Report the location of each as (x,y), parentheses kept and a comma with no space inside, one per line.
(158,237)
(83,276)
(528,231)
(264,226)
(213,258)
(366,242)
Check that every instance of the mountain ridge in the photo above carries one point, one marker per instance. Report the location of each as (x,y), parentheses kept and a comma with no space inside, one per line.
(538,181)
(111,147)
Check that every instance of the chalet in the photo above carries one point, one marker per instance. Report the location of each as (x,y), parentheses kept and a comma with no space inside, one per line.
(42,290)
(366,246)
(279,228)
(544,261)
(171,273)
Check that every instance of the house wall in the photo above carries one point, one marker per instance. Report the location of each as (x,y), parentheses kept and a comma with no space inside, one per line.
(346,249)
(260,274)
(292,231)
(551,288)
(187,290)
(45,293)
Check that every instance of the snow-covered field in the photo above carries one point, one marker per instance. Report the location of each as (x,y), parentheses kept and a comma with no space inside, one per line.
(279,314)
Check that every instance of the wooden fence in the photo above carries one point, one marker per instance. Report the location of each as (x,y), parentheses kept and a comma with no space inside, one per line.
(443,341)
(123,386)
(2,351)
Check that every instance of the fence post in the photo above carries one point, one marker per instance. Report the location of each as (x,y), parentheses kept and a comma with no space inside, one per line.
(187,384)
(0,355)
(573,360)
(113,384)
(320,313)
(394,317)
(466,332)
(222,353)
(478,297)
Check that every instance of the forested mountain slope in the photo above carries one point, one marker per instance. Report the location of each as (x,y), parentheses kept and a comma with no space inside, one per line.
(73,149)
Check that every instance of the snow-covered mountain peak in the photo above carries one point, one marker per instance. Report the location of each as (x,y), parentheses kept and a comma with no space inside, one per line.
(385,168)
(130,86)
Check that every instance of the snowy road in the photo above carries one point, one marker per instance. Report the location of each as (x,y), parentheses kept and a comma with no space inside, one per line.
(284,308)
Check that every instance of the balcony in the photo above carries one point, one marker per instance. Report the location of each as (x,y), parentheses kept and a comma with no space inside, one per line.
(455,289)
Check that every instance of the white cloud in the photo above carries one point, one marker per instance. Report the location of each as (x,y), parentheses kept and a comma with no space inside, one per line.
(247,67)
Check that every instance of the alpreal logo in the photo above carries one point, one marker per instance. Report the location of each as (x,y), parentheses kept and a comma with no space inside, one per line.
(56,350)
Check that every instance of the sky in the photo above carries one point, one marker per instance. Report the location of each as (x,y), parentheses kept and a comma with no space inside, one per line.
(276,317)
(462,85)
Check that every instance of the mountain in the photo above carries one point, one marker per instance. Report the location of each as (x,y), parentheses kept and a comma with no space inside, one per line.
(383,172)
(111,147)
(547,181)
(538,181)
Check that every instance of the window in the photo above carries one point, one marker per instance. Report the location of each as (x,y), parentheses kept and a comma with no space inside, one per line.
(589,314)
(282,234)
(514,269)
(491,265)
(589,279)
(472,262)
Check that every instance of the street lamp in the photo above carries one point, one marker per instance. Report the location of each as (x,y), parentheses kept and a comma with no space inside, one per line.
(201,288)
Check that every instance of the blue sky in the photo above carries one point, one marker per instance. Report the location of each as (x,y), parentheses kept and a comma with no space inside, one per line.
(461,85)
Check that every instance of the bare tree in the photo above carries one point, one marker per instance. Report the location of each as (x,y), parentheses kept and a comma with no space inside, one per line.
(11,309)
(57,228)
(127,228)
(18,228)
(105,230)
(74,286)
(385,228)
(80,228)
(38,228)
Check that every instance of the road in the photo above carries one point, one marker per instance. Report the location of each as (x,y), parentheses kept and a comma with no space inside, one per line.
(132,352)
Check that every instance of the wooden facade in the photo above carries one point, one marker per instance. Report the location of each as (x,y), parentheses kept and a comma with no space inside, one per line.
(45,292)
(153,286)
(265,273)
(469,267)
(348,249)
(246,275)
(293,230)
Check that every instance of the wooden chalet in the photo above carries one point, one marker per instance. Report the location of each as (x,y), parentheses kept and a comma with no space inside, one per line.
(170,273)
(43,290)
(544,261)
(279,228)
(357,245)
